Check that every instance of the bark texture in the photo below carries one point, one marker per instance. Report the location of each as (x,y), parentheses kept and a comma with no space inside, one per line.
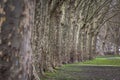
(15,49)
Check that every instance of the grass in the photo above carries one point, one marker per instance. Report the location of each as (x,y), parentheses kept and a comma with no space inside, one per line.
(73,71)
(103,61)
(63,73)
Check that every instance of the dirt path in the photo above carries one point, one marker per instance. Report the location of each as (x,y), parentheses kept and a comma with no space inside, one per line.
(87,73)
(98,73)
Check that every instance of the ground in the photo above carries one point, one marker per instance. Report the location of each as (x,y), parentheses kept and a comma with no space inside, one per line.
(105,68)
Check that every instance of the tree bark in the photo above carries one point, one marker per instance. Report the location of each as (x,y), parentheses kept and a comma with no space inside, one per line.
(16,40)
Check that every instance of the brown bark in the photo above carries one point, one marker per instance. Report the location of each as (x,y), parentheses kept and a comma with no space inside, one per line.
(16,40)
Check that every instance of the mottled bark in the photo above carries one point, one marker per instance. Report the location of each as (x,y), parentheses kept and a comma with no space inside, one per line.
(15,47)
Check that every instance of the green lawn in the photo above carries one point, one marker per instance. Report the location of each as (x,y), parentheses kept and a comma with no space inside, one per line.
(72,71)
(103,61)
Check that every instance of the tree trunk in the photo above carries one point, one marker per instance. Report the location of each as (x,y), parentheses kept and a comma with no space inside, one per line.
(16,62)
(117,50)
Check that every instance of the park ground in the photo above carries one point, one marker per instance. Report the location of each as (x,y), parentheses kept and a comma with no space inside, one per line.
(100,68)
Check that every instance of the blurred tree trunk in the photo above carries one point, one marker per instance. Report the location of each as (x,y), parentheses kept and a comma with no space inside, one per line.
(15,50)
(117,49)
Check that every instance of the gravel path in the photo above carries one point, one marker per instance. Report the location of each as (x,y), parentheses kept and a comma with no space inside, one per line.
(87,73)
(99,73)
